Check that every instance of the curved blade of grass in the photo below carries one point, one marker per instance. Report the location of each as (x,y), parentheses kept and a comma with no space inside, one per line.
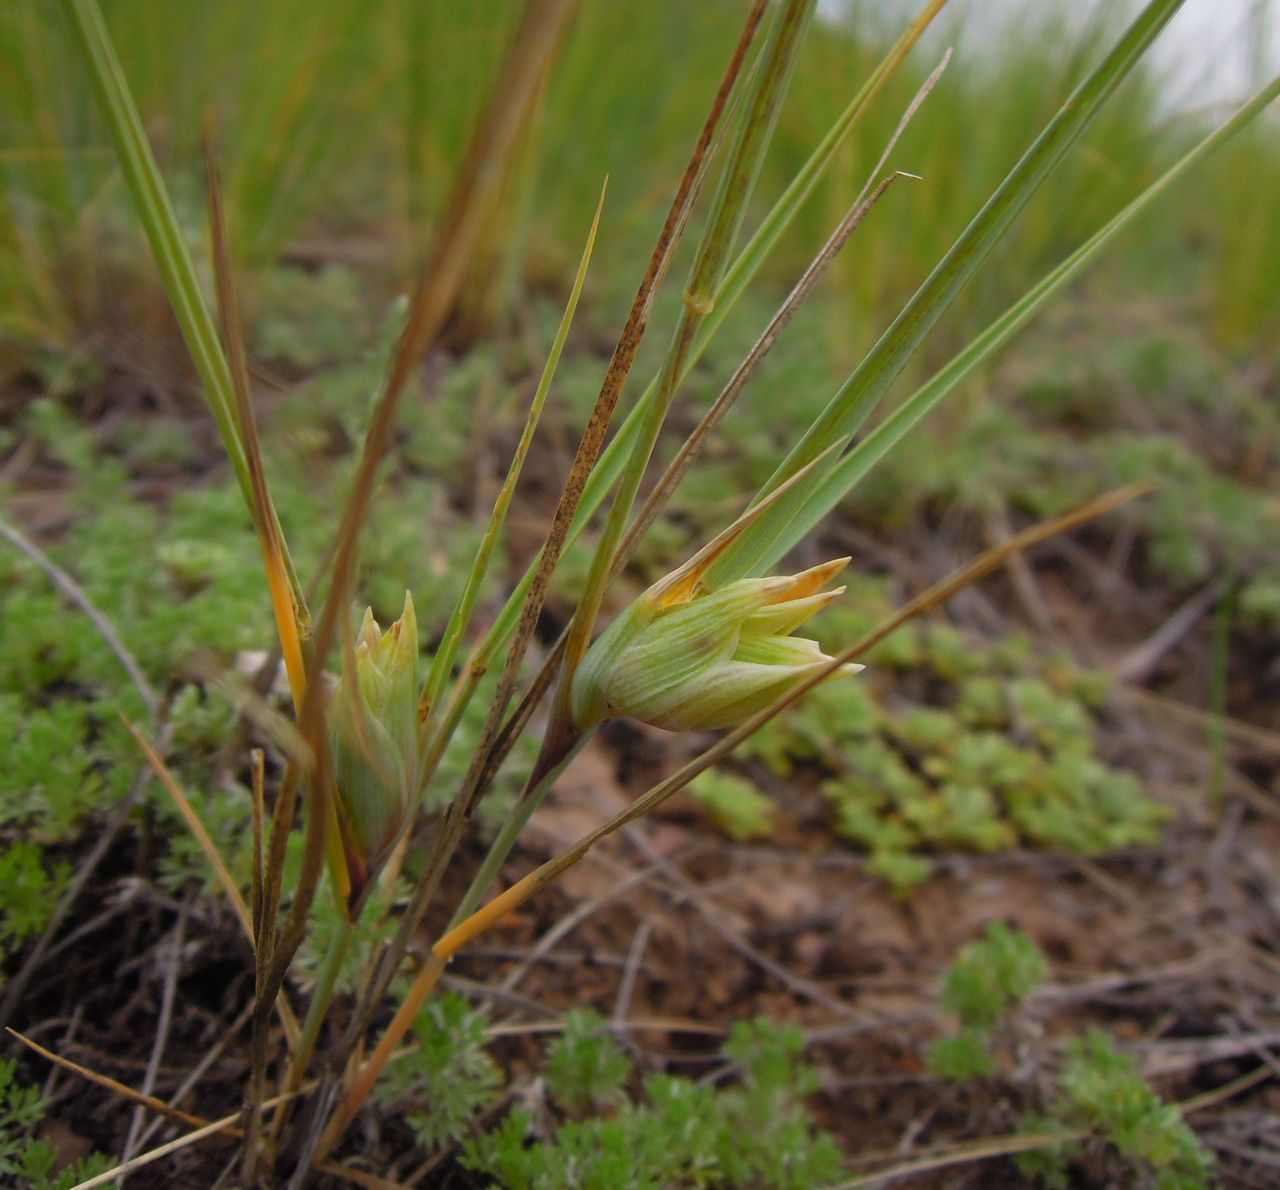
(850,469)
(274,553)
(138,164)
(853,403)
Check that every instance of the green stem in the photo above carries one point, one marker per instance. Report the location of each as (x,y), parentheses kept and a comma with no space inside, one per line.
(321,998)
(506,839)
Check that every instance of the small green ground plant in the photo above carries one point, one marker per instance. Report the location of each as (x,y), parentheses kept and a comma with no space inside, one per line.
(1101,1105)
(332,859)
(26,1159)
(675,1132)
(996,752)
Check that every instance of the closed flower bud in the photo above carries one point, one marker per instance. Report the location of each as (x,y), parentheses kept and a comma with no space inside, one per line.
(688,660)
(374,737)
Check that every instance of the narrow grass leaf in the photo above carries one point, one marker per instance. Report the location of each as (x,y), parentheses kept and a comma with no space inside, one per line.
(853,466)
(288,612)
(167,244)
(853,403)
(442,664)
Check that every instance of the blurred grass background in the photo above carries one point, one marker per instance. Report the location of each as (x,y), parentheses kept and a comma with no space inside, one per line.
(341,123)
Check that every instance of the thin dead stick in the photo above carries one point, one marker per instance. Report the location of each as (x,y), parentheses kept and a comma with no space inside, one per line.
(163,1023)
(659,1024)
(1229,1090)
(1242,733)
(630,972)
(197,1072)
(204,1128)
(226,1126)
(979,1150)
(1006,1146)
(76,595)
(1137,664)
(111,1084)
(685,890)
(570,922)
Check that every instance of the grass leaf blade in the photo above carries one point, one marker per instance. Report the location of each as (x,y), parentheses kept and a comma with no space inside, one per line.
(853,466)
(852,404)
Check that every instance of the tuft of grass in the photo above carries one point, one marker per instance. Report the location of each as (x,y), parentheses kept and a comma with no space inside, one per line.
(1005,756)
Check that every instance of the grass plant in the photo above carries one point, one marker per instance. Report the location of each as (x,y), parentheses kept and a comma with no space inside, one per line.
(339,879)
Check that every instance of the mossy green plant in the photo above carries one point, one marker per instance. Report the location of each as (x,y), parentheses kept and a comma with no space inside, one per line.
(997,750)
